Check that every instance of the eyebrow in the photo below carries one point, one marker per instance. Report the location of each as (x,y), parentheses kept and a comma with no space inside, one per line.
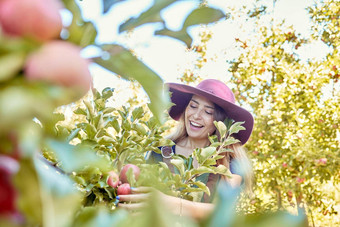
(211,107)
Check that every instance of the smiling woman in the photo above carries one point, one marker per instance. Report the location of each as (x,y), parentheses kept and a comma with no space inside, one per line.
(196,109)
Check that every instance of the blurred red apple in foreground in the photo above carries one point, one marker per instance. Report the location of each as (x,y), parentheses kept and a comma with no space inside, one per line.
(124,189)
(59,63)
(37,19)
(8,167)
(113,179)
(123,173)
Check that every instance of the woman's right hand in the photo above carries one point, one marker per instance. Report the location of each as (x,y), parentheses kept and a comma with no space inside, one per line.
(136,200)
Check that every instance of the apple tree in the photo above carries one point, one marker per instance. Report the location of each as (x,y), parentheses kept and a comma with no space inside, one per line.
(295,142)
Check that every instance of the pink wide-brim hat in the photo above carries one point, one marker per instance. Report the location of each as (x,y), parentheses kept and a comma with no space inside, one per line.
(217,92)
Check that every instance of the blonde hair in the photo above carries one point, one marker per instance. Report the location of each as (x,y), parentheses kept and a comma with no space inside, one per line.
(244,165)
(239,153)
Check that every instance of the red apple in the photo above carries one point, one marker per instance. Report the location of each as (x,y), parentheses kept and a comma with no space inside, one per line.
(113,179)
(124,189)
(322,161)
(37,19)
(60,63)
(300,180)
(123,172)
(290,193)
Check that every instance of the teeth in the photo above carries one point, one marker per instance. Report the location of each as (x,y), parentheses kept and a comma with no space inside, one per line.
(195,124)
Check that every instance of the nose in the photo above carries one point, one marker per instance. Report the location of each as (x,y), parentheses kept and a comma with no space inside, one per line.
(197,114)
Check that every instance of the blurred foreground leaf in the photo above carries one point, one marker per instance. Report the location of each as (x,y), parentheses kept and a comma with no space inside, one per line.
(60,198)
(157,214)
(203,15)
(149,16)
(10,65)
(74,158)
(97,216)
(120,61)
(28,186)
(107,4)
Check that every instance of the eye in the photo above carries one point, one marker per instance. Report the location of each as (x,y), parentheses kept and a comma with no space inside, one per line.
(193,106)
(209,113)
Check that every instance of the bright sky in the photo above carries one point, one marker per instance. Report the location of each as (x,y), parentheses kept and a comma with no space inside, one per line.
(168,57)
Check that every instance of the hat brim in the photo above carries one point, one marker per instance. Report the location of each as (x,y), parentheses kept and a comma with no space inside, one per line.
(181,95)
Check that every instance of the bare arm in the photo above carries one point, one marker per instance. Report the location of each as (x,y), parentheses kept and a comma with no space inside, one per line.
(178,206)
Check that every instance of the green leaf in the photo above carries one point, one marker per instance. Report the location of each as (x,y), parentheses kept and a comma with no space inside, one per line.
(107,93)
(107,4)
(115,125)
(131,177)
(98,121)
(89,109)
(120,62)
(137,113)
(181,35)
(150,16)
(126,125)
(139,128)
(236,127)
(228,122)
(80,111)
(106,140)
(79,32)
(221,127)
(203,15)
(73,134)
(210,162)
(10,65)
(229,141)
(179,164)
(202,169)
(89,129)
(202,186)
(221,169)
(108,110)
(206,153)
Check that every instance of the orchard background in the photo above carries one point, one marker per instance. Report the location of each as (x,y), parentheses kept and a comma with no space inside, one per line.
(59,138)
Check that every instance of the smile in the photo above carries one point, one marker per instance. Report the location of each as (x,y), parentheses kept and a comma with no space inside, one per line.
(196,125)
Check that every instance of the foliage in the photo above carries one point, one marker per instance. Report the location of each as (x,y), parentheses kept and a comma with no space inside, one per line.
(123,136)
(44,193)
(119,136)
(295,143)
(28,125)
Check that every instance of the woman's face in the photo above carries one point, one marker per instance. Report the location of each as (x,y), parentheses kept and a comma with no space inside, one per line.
(199,118)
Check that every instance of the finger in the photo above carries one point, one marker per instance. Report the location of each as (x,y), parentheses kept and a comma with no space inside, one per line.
(132,206)
(134,197)
(141,190)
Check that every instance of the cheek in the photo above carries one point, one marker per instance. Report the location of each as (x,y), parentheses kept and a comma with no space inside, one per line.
(212,129)
(210,125)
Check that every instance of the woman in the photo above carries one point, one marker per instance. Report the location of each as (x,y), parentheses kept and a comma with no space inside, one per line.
(196,109)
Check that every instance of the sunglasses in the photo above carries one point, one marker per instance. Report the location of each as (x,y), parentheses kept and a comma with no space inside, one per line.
(167,152)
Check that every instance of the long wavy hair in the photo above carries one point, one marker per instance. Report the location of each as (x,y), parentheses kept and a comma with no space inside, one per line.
(239,152)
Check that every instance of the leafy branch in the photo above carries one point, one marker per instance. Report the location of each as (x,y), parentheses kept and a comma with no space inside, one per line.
(206,158)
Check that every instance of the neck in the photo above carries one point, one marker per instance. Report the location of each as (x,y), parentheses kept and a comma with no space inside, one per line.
(192,144)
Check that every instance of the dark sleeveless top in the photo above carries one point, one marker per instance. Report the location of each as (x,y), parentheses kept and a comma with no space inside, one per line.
(154,158)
